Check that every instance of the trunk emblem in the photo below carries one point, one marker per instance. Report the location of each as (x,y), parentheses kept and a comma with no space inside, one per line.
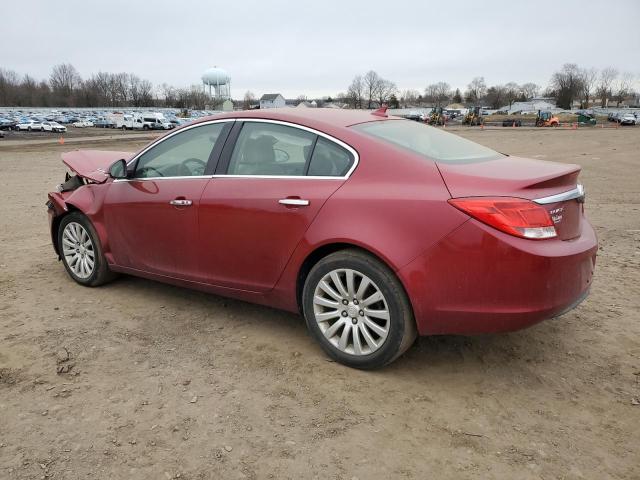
(556,214)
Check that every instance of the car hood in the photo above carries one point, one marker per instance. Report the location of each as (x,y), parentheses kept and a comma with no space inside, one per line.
(92,164)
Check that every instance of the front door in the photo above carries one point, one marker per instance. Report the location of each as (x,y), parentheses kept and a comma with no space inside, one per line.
(152,218)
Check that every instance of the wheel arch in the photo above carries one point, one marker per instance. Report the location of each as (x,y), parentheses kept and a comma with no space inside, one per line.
(55,225)
(326,249)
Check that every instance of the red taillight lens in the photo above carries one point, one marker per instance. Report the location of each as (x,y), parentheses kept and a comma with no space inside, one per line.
(514,216)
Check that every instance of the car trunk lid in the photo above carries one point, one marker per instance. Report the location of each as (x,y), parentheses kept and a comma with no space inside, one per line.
(552,185)
(92,164)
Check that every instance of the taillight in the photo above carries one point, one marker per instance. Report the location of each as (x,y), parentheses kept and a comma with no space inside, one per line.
(514,216)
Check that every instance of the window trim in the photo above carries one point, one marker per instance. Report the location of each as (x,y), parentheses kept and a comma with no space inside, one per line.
(226,156)
(214,150)
(230,143)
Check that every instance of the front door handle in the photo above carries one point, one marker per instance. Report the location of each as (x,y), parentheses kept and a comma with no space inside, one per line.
(180,202)
(294,202)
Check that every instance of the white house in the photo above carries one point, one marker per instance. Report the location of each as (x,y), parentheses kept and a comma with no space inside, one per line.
(272,100)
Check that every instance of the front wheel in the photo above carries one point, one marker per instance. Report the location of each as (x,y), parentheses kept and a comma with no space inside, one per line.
(357,310)
(81,253)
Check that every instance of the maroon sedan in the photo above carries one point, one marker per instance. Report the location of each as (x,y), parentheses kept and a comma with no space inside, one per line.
(375,228)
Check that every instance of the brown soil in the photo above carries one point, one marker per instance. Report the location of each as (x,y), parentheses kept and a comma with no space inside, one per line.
(161,382)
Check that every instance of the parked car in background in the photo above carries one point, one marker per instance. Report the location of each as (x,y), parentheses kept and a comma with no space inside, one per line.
(7,124)
(414,115)
(53,127)
(103,123)
(507,122)
(303,211)
(155,122)
(31,125)
(627,119)
(82,124)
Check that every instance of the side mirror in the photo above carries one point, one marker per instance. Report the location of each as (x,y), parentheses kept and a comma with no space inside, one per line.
(118,169)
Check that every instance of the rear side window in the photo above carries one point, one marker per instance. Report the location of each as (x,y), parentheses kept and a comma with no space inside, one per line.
(329,160)
(428,141)
(271,149)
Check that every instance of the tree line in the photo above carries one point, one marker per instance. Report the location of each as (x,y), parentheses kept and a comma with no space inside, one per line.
(66,88)
(571,85)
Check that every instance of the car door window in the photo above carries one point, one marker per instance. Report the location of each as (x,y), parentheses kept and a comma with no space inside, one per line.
(271,149)
(329,159)
(184,154)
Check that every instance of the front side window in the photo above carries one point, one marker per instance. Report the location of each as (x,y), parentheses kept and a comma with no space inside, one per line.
(271,149)
(428,141)
(183,155)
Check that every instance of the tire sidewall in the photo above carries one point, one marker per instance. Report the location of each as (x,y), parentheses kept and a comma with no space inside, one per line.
(77,217)
(393,294)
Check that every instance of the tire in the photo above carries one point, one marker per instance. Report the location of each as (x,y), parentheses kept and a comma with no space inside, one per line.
(145,127)
(28,129)
(390,336)
(76,226)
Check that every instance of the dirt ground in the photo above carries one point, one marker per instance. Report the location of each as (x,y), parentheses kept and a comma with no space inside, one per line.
(161,382)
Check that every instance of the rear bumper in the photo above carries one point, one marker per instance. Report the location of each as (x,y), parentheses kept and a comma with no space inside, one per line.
(479,280)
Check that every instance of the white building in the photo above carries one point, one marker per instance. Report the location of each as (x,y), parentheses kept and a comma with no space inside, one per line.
(272,100)
(530,107)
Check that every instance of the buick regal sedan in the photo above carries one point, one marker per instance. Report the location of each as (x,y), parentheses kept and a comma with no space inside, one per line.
(375,228)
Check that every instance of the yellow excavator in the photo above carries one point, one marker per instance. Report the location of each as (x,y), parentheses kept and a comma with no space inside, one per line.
(473,117)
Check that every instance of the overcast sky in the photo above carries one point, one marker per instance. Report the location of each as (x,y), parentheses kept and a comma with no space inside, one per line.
(316,48)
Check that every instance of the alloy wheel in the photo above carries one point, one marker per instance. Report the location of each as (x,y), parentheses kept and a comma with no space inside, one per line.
(78,250)
(351,311)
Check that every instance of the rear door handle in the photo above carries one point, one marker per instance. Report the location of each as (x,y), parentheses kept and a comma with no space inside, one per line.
(181,202)
(294,202)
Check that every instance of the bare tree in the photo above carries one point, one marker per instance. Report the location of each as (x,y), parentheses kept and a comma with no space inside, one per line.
(371,82)
(607,77)
(589,82)
(623,88)
(511,93)
(476,90)
(385,91)
(168,94)
(438,93)
(355,93)
(529,90)
(9,86)
(145,93)
(409,97)
(64,80)
(249,99)
(567,84)
(133,89)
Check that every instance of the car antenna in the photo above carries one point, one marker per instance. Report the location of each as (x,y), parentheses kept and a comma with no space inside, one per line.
(381,112)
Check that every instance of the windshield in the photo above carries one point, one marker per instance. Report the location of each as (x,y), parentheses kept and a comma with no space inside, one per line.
(428,141)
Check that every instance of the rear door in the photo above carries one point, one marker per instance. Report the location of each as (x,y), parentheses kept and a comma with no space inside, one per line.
(152,218)
(273,180)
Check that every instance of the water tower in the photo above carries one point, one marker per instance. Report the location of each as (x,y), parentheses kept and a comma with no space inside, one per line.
(219,83)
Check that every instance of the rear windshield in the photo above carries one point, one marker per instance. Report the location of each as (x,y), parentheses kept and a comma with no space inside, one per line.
(428,141)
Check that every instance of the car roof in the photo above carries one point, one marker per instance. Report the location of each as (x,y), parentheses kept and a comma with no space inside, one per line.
(311,117)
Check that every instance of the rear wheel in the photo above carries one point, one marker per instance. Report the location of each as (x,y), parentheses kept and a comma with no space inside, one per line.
(357,310)
(81,253)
